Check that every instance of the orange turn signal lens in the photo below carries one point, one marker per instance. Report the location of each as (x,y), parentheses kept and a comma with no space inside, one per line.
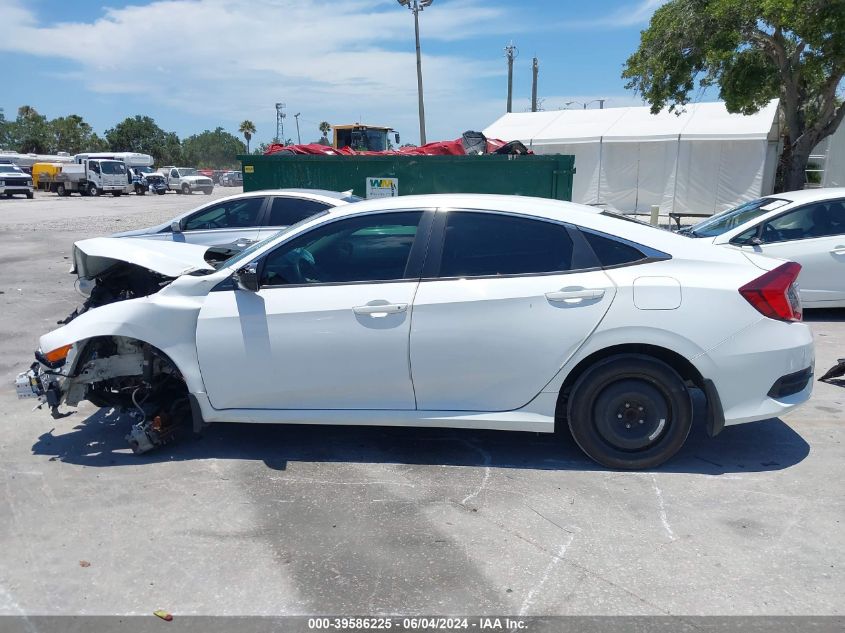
(58,354)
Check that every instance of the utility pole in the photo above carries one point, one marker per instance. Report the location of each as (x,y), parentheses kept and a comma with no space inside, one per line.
(511,53)
(298,138)
(280,122)
(536,70)
(415,7)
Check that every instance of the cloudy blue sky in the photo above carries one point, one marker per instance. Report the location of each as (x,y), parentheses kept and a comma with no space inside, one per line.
(196,64)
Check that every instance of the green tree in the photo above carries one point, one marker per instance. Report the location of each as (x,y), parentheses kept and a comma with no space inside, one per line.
(247,128)
(141,134)
(325,128)
(30,132)
(754,50)
(72,134)
(171,150)
(261,149)
(4,131)
(212,149)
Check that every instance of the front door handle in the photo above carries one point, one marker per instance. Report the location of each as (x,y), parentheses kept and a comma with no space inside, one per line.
(575,295)
(381,310)
(838,250)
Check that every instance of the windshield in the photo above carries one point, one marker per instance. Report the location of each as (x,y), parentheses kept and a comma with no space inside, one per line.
(187,172)
(10,169)
(112,167)
(146,170)
(732,218)
(245,254)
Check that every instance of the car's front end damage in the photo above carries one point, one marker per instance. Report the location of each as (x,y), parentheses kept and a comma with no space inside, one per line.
(111,350)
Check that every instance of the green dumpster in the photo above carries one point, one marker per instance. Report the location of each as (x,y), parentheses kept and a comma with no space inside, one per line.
(547,176)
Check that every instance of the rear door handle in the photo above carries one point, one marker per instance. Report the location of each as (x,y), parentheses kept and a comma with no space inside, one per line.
(381,310)
(838,250)
(575,295)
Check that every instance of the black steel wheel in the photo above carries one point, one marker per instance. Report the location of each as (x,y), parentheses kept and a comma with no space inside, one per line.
(630,411)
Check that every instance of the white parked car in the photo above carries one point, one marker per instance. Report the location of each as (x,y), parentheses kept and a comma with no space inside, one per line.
(807,227)
(471,311)
(237,221)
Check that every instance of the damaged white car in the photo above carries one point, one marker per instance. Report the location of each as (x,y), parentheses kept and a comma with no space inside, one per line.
(469,311)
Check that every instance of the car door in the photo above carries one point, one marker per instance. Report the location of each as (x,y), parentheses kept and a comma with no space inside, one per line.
(287,210)
(505,300)
(234,223)
(329,326)
(812,235)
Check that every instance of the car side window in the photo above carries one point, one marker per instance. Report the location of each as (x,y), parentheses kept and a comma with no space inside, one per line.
(820,219)
(483,244)
(612,252)
(174,173)
(286,211)
(239,213)
(368,248)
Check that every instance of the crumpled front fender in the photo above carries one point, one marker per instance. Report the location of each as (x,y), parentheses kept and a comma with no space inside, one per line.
(167,323)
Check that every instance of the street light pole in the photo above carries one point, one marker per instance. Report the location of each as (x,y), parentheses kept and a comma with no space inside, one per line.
(416,6)
(298,138)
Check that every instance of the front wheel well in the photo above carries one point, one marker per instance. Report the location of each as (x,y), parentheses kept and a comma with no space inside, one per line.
(686,370)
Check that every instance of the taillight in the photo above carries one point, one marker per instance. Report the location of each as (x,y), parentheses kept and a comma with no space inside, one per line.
(775,294)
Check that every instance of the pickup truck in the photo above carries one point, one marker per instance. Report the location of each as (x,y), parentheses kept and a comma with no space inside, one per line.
(13,180)
(186,180)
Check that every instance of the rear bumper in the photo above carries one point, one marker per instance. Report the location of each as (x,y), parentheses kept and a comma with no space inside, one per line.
(764,371)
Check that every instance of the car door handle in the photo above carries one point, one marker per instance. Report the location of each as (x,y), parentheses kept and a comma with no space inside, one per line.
(838,250)
(381,310)
(575,295)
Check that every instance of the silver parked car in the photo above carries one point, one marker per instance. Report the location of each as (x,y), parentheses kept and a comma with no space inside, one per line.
(235,222)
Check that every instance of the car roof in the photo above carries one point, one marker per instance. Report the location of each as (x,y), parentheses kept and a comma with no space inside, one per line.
(584,216)
(810,195)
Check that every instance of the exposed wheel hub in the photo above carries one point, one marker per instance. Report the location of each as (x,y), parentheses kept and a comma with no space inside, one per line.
(631,414)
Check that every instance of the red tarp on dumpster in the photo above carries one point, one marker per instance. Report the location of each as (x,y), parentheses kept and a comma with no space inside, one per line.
(438,148)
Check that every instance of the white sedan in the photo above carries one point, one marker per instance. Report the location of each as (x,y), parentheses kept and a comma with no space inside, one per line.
(807,227)
(234,222)
(470,311)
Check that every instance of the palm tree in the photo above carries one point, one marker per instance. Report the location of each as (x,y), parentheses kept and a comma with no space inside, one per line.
(247,128)
(325,128)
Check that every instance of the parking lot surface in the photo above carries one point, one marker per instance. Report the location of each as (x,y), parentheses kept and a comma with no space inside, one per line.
(255,519)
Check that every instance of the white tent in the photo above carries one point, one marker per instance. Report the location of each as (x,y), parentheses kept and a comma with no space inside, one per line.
(702,160)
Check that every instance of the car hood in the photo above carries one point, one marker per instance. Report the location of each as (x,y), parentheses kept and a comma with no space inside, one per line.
(171,259)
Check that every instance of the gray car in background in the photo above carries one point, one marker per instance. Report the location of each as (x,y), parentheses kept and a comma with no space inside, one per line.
(235,222)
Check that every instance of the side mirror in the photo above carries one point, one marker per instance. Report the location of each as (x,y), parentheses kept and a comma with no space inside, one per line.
(756,241)
(246,278)
(176,226)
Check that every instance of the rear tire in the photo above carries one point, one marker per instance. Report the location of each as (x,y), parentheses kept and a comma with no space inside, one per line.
(630,411)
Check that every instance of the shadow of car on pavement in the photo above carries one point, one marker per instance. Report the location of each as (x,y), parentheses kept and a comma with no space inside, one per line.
(99,441)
